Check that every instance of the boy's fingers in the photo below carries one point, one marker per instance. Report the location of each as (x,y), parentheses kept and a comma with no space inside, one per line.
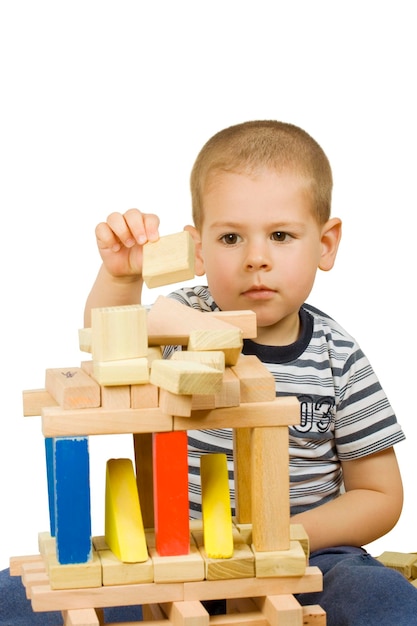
(143,226)
(106,237)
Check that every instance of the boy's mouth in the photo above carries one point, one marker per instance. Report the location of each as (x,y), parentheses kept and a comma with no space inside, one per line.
(259,292)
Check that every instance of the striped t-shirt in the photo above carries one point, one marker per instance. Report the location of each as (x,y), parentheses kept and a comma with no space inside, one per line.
(344,412)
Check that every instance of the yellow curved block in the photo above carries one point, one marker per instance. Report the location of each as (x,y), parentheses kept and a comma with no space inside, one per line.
(124,530)
(217,514)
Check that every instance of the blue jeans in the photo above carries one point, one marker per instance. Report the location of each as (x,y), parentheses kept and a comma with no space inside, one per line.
(360,591)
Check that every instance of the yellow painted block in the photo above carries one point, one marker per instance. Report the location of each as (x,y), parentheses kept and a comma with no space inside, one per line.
(119,332)
(186,377)
(168,260)
(121,372)
(124,530)
(216,509)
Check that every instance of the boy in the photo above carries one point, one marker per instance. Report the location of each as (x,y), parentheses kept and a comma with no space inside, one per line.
(261,194)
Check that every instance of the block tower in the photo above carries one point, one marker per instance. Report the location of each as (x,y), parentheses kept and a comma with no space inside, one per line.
(151,553)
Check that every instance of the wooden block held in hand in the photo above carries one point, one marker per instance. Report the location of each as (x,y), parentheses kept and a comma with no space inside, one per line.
(168,260)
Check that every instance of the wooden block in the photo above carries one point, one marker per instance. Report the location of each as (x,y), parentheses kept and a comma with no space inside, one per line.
(403,562)
(122,372)
(74,575)
(240,565)
(115,572)
(72,388)
(170,322)
(124,530)
(216,507)
(175,404)
(187,613)
(245,320)
(168,260)
(180,568)
(281,609)
(212,358)
(72,500)
(85,339)
(119,332)
(228,396)
(186,377)
(80,617)
(144,476)
(270,489)
(228,341)
(115,397)
(34,400)
(297,533)
(313,615)
(243,475)
(16,563)
(145,396)
(170,470)
(276,563)
(257,384)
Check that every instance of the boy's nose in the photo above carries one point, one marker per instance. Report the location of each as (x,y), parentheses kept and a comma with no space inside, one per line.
(257,258)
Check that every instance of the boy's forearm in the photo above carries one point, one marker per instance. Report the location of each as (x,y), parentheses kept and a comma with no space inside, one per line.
(108,290)
(355,518)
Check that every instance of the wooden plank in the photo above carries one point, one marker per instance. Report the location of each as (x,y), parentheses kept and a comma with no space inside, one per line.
(168,260)
(170,470)
(34,400)
(270,489)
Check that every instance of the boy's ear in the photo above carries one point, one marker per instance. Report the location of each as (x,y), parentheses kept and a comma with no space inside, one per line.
(199,262)
(330,238)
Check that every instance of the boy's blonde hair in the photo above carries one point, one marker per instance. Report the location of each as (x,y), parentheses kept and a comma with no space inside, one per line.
(250,146)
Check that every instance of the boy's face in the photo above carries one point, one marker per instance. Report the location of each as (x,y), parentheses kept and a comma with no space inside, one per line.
(261,246)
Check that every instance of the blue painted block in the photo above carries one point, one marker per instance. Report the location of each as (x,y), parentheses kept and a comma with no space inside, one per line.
(72,500)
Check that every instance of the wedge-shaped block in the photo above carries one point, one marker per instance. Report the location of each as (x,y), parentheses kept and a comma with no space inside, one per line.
(119,332)
(216,507)
(170,471)
(72,388)
(124,531)
(168,260)
(122,372)
(228,341)
(186,377)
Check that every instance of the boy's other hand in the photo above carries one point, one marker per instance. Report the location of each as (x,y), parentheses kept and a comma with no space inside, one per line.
(121,238)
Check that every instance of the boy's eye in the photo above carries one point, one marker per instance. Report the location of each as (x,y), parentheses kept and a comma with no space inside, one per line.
(279,236)
(230,238)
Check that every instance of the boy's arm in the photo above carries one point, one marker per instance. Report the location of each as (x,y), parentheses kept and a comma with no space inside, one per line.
(368,509)
(120,243)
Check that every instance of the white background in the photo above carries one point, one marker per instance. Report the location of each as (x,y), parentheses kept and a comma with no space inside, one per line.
(104,106)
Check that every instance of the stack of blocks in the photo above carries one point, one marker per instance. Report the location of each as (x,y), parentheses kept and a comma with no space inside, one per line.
(149,543)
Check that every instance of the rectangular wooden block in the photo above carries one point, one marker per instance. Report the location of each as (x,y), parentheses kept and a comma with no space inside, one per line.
(228,341)
(168,260)
(35,399)
(291,562)
(257,384)
(115,397)
(74,575)
(178,568)
(81,617)
(240,565)
(72,388)
(186,377)
(145,396)
(115,572)
(175,404)
(121,372)
(245,320)
(119,332)
(170,471)
(212,358)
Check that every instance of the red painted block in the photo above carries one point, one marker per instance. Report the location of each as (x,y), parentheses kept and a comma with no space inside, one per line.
(170,467)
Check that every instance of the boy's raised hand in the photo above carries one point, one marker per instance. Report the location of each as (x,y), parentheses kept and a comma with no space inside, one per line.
(121,238)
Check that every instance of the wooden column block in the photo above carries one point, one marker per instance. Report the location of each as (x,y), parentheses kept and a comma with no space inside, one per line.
(190,613)
(242,451)
(72,388)
(144,475)
(124,532)
(270,488)
(168,260)
(80,617)
(281,609)
(119,332)
(170,458)
(216,507)
(72,500)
